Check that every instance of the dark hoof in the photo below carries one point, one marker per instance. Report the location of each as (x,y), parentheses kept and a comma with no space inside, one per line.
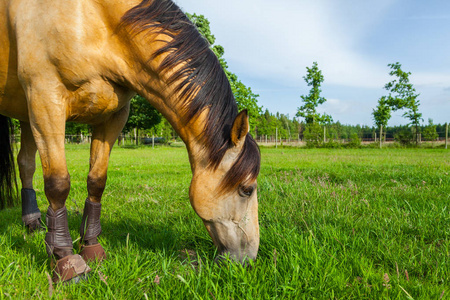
(91,253)
(35,226)
(69,268)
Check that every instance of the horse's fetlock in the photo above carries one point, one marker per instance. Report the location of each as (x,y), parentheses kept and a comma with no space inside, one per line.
(96,185)
(57,188)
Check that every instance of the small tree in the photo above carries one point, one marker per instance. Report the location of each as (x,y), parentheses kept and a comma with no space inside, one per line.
(163,129)
(313,135)
(355,141)
(381,115)
(313,78)
(308,111)
(403,95)
(430,132)
(404,136)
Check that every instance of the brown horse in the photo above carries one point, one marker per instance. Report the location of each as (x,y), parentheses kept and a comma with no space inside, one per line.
(83,61)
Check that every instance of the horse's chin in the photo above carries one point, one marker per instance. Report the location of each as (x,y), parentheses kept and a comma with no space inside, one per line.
(233,242)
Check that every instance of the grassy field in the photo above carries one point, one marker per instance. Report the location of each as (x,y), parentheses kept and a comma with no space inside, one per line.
(335,224)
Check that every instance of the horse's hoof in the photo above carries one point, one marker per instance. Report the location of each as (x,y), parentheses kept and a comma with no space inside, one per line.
(91,253)
(69,268)
(34,226)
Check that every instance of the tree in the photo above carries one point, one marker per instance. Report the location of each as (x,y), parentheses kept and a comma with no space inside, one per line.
(16,126)
(142,115)
(77,132)
(403,95)
(245,99)
(202,24)
(381,115)
(285,125)
(73,128)
(308,111)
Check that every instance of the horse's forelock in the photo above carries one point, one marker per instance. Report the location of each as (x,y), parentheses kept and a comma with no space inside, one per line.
(245,168)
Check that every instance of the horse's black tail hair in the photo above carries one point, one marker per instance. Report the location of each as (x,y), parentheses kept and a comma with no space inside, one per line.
(8,183)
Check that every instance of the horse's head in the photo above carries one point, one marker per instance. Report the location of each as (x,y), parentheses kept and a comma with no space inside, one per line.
(225,196)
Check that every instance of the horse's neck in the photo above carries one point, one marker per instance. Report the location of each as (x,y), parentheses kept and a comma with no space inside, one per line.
(142,76)
(153,86)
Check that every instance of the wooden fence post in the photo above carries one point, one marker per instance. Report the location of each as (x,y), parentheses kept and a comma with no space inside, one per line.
(276,137)
(381,136)
(446,135)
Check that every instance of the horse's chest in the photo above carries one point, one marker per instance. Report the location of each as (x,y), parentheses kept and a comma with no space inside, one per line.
(95,102)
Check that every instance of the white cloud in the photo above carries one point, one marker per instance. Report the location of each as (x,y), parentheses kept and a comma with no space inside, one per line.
(428,79)
(348,109)
(337,106)
(279,40)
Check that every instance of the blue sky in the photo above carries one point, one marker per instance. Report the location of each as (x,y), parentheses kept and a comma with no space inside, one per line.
(269,44)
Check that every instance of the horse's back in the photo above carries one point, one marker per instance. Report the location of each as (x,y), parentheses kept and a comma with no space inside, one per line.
(67,44)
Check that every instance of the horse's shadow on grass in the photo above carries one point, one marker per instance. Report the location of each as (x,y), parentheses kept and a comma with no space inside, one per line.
(116,235)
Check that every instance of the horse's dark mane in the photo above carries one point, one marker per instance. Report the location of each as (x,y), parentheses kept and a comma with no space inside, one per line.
(200,82)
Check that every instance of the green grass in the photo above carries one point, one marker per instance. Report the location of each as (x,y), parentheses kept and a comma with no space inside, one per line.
(335,224)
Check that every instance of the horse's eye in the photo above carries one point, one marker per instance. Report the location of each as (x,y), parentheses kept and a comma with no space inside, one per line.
(246,191)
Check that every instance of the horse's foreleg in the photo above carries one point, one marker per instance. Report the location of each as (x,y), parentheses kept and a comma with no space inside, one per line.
(56,187)
(31,215)
(103,139)
(47,120)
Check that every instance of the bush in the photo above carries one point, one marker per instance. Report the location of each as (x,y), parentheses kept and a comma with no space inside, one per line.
(355,141)
(332,144)
(313,135)
(404,137)
(430,133)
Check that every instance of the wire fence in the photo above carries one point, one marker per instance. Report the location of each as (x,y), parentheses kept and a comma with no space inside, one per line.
(130,139)
(123,139)
(273,139)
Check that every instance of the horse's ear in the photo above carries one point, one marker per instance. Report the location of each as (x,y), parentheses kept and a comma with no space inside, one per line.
(240,128)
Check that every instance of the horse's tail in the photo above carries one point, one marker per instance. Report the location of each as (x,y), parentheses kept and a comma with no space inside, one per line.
(8,183)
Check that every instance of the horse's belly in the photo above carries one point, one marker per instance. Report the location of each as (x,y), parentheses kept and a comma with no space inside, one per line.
(12,97)
(14,107)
